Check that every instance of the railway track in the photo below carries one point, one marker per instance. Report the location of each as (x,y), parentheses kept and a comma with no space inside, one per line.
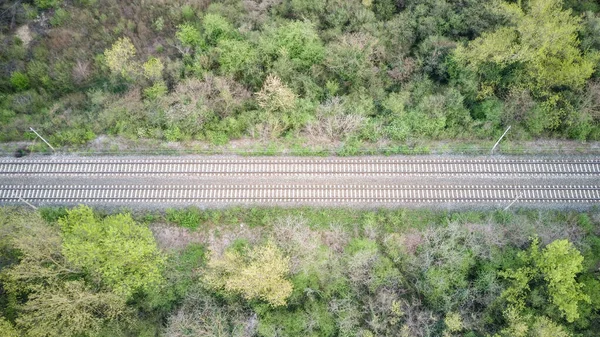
(285,194)
(273,166)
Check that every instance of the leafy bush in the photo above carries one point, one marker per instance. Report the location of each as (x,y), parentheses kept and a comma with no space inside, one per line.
(297,40)
(157,90)
(216,28)
(189,37)
(19,81)
(188,218)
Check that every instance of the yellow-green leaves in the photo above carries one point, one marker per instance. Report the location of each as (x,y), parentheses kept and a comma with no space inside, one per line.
(153,69)
(540,43)
(557,264)
(70,309)
(116,250)
(120,58)
(6,329)
(259,275)
(560,262)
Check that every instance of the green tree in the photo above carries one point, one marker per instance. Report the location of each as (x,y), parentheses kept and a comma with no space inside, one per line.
(543,327)
(50,294)
(69,309)
(558,265)
(119,252)
(539,49)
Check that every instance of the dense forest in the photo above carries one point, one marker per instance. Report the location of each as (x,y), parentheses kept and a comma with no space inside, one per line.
(317,70)
(299,272)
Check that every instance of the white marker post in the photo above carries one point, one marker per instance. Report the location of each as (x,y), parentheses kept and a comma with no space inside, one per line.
(513,202)
(42,138)
(498,142)
(25,201)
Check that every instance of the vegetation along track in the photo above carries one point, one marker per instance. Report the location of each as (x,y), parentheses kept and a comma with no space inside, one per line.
(207,182)
(297,166)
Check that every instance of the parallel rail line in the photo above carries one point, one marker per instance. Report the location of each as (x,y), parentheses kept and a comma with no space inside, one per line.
(122,167)
(380,194)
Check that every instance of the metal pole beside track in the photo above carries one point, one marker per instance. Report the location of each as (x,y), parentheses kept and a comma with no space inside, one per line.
(42,138)
(498,142)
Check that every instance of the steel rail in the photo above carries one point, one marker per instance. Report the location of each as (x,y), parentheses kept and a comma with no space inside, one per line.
(298,193)
(295,166)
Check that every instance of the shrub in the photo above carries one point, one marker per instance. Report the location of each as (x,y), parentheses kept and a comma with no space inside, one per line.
(235,57)
(297,40)
(216,28)
(157,90)
(19,81)
(189,37)
(188,218)
(60,16)
(453,322)
(334,122)
(39,73)
(351,59)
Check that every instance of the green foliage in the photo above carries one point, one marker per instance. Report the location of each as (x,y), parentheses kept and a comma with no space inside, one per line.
(314,320)
(117,250)
(70,309)
(189,36)
(153,69)
(235,57)
(558,264)
(19,81)
(543,62)
(52,214)
(45,4)
(216,28)
(60,16)
(305,271)
(7,329)
(296,40)
(188,218)
(75,136)
(157,90)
